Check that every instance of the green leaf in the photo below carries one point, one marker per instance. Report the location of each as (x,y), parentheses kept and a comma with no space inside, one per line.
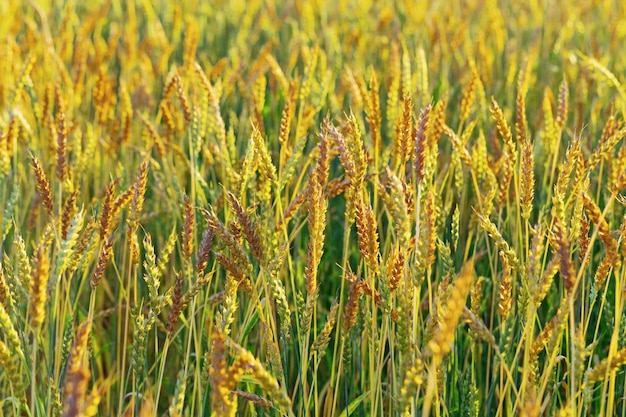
(251,323)
(353,405)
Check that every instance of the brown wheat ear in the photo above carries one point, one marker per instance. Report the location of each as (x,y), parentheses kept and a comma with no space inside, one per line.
(189,222)
(103,259)
(566,267)
(202,259)
(246,226)
(177,305)
(395,267)
(68,212)
(351,307)
(107,210)
(61,169)
(504,293)
(43,186)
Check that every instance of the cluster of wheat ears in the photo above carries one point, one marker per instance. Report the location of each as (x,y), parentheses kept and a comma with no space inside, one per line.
(312,208)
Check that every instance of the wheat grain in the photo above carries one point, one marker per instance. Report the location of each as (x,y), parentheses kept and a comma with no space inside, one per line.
(488,226)
(322,340)
(413,380)
(11,367)
(440,344)
(78,374)
(103,259)
(606,366)
(467,99)
(61,168)
(43,186)
(527,178)
(479,327)
(421,142)
(266,380)
(39,284)
(178,399)
(248,228)
(352,304)
(604,233)
(504,293)
(189,221)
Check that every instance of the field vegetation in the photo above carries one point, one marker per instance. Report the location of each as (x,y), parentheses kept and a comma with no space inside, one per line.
(312,208)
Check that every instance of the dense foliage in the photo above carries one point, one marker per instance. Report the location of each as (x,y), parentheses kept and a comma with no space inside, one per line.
(312,208)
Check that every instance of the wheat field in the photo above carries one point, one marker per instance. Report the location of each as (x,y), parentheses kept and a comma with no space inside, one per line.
(312,208)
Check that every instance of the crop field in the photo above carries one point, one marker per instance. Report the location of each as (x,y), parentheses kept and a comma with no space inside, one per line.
(312,208)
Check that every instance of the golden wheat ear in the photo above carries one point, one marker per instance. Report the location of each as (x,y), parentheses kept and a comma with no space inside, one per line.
(39,284)
(441,342)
